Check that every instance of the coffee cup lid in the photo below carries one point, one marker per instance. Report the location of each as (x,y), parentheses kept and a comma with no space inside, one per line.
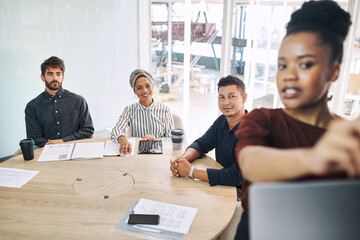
(177,131)
(27,141)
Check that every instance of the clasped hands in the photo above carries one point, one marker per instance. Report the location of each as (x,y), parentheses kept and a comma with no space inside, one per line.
(180,167)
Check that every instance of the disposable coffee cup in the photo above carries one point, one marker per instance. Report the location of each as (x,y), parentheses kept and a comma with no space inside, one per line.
(27,148)
(177,137)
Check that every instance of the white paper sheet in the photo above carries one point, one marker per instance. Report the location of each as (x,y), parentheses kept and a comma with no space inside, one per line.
(15,178)
(88,150)
(56,152)
(174,218)
(112,148)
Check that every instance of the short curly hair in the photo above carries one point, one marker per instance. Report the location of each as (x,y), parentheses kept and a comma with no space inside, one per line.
(326,19)
(231,80)
(53,62)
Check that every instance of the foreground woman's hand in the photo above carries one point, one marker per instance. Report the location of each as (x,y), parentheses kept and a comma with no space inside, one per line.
(338,150)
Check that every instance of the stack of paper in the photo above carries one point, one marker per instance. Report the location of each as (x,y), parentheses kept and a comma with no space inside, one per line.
(175,221)
(174,218)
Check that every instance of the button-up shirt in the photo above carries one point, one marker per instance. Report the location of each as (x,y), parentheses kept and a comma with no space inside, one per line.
(220,137)
(64,116)
(156,120)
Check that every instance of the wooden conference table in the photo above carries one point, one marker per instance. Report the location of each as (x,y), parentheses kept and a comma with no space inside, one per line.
(85,199)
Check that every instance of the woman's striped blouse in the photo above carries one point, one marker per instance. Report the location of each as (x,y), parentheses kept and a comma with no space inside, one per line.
(155,119)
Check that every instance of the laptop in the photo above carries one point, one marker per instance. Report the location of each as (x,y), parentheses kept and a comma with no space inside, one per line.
(305,210)
(150,147)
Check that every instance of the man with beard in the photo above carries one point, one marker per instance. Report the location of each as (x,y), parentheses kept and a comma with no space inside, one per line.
(57,115)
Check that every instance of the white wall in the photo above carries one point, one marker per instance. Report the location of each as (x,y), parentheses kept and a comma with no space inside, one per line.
(97,39)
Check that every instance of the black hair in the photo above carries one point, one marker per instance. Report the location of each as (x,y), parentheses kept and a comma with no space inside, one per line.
(231,80)
(325,18)
(53,62)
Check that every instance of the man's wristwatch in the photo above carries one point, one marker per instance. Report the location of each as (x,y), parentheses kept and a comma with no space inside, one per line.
(191,173)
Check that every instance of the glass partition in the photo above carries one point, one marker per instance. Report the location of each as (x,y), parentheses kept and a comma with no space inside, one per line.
(351,105)
(167,50)
(256,41)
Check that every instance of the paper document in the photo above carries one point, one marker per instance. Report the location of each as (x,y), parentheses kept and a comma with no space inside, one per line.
(112,148)
(88,150)
(139,231)
(15,178)
(174,218)
(72,151)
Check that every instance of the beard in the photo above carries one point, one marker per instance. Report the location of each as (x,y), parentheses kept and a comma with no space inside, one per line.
(50,85)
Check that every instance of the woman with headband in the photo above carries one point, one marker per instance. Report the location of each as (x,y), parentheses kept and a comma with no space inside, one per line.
(146,119)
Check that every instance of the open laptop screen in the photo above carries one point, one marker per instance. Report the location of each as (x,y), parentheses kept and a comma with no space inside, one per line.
(305,210)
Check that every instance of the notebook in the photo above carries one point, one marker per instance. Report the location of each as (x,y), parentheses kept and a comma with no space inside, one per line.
(150,147)
(308,210)
(72,151)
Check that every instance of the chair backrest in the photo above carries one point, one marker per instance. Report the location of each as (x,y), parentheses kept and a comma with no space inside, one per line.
(178,124)
(305,210)
(17,152)
(177,121)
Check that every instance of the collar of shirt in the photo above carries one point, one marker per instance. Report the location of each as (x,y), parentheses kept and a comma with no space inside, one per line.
(151,106)
(234,128)
(59,94)
(226,125)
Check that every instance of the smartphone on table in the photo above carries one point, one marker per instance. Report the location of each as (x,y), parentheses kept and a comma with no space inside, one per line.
(144,219)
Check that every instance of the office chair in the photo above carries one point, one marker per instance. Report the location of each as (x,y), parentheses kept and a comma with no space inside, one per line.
(179,124)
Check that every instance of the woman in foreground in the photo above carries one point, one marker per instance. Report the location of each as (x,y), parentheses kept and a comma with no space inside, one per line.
(303,140)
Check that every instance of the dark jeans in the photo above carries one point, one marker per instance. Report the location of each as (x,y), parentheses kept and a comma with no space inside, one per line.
(242,232)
